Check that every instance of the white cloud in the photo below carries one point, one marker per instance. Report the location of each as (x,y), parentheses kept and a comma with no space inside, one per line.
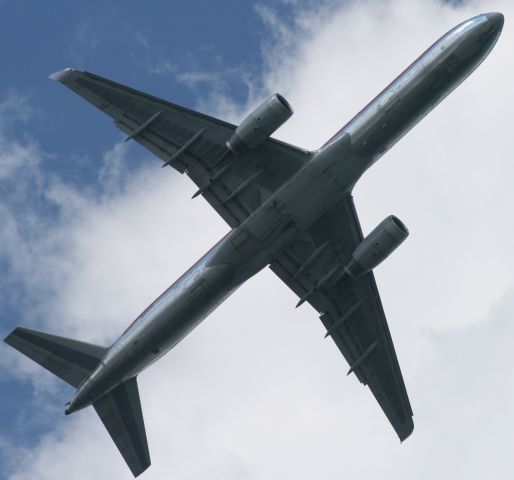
(255,392)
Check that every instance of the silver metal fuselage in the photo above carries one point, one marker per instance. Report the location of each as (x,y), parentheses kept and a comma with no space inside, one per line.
(330,173)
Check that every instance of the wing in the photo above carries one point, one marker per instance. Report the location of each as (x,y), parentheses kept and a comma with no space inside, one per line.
(120,412)
(193,143)
(350,308)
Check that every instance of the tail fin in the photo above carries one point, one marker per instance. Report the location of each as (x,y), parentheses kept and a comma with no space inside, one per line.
(73,361)
(120,412)
(70,360)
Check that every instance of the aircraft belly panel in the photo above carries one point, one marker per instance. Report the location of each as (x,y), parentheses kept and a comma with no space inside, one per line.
(171,320)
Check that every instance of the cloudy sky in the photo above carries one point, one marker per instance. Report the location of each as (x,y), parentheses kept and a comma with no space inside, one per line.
(92,230)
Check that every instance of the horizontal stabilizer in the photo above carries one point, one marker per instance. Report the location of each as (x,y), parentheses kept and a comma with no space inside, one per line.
(120,412)
(70,360)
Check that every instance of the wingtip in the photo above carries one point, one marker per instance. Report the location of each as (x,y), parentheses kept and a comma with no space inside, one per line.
(8,338)
(406,432)
(143,469)
(300,302)
(61,75)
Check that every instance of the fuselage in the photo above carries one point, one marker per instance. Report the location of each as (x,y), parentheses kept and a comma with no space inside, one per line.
(330,173)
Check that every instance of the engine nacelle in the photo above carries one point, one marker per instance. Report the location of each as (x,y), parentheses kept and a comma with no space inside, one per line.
(377,246)
(260,124)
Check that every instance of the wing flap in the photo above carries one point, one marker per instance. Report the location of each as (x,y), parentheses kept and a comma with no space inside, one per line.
(121,414)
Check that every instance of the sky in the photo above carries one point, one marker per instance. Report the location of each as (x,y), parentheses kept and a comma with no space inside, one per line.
(92,230)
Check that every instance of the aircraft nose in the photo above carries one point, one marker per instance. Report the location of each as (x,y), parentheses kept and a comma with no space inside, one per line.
(496,19)
(488,27)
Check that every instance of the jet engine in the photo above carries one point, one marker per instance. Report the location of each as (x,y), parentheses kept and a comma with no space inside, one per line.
(260,124)
(377,246)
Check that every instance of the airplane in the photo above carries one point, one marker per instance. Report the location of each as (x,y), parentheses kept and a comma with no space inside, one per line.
(288,208)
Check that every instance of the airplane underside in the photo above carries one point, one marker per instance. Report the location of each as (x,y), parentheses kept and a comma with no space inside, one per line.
(287,208)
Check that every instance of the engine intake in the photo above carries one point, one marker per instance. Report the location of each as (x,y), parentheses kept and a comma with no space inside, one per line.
(377,246)
(260,124)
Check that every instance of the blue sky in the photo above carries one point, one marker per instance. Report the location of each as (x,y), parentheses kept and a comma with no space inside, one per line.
(146,47)
(92,230)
